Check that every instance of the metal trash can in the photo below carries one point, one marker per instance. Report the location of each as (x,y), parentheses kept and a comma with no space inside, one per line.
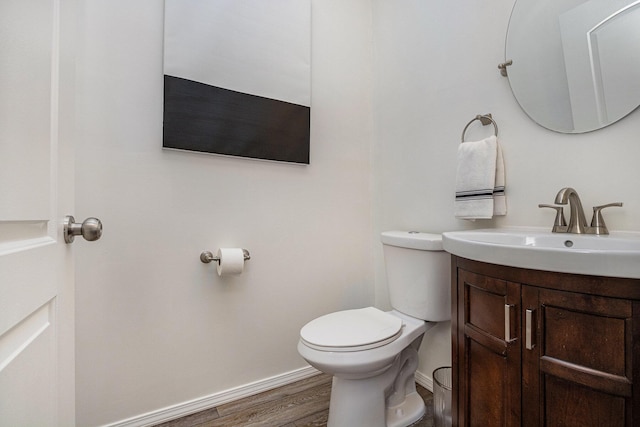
(442,397)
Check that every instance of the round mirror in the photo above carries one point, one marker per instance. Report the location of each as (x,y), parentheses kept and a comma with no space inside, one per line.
(575,63)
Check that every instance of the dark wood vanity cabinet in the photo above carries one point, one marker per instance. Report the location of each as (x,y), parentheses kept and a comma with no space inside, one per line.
(535,348)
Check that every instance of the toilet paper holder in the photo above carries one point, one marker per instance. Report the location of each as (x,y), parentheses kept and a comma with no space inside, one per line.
(207,256)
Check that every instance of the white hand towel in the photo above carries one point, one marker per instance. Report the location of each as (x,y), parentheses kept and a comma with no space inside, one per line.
(479,179)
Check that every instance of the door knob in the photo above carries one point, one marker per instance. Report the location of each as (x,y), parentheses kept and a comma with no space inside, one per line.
(90,229)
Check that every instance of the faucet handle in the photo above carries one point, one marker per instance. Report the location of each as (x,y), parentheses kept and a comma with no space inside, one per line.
(597,222)
(559,224)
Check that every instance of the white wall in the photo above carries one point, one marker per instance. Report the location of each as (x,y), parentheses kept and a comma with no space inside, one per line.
(155,326)
(436,68)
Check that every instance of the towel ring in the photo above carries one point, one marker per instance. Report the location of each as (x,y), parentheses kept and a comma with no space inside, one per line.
(485,120)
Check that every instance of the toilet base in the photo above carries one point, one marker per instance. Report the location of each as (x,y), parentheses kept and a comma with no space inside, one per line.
(389,399)
(408,412)
(352,405)
(357,403)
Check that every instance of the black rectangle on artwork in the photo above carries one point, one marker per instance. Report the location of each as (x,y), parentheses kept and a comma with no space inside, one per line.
(209,119)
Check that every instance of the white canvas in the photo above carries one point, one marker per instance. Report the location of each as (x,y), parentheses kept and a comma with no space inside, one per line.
(257,47)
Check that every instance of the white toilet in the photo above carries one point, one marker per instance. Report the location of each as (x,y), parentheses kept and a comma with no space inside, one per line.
(373,355)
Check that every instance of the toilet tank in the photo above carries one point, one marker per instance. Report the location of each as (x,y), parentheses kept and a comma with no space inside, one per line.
(418,274)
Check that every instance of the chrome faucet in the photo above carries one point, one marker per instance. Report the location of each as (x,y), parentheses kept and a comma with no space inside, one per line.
(577,220)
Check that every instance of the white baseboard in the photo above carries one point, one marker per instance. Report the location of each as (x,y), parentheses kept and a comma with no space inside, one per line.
(424,381)
(216,399)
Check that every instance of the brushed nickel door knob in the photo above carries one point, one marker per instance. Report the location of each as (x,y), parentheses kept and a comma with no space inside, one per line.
(90,229)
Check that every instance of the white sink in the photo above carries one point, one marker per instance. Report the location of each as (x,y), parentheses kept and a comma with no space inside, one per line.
(615,255)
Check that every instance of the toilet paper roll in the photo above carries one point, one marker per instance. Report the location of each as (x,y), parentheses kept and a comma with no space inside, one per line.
(231,261)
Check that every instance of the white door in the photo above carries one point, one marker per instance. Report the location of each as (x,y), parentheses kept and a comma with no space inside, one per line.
(36,192)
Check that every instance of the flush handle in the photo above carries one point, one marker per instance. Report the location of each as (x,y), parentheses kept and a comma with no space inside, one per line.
(90,229)
(529,328)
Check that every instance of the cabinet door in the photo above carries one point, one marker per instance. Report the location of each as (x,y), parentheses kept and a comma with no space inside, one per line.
(577,360)
(488,365)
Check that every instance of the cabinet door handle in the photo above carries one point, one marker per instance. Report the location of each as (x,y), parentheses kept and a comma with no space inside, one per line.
(530,320)
(507,322)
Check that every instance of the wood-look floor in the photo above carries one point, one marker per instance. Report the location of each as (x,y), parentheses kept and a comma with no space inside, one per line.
(301,404)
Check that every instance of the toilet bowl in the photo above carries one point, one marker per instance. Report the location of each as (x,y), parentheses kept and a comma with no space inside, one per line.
(372,354)
(367,374)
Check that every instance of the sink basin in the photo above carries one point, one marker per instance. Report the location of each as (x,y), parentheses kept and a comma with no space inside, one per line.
(615,255)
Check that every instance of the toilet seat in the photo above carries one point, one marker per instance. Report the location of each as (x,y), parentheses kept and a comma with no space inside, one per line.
(352,330)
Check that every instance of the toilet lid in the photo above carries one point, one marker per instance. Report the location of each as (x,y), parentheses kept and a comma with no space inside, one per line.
(352,330)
